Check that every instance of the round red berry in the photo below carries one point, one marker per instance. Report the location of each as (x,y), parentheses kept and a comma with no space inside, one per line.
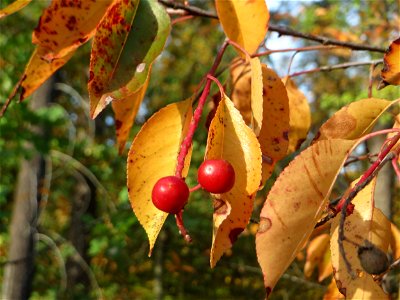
(170,194)
(216,176)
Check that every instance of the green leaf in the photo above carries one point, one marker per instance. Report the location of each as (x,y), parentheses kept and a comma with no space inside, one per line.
(119,69)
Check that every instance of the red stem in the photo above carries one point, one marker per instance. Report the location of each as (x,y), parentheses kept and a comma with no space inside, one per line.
(181,227)
(187,142)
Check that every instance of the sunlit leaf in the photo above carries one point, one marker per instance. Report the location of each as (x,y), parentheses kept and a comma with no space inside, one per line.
(13,7)
(300,115)
(325,266)
(395,241)
(244,22)
(231,139)
(366,223)
(65,25)
(294,205)
(37,71)
(353,120)
(274,131)
(153,154)
(315,253)
(390,73)
(256,94)
(332,293)
(125,111)
(120,63)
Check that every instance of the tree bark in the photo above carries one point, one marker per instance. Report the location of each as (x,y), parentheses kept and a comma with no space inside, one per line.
(18,272)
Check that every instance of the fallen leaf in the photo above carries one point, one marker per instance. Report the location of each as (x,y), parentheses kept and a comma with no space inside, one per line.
(299,115)
(364,223)
(390,73)
(13,7)
(153,155)
(121,68)
(244,22)
(125,111)
(67,24)
(231,139)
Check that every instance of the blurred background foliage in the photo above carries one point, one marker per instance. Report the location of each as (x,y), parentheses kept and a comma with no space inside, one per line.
(112,260)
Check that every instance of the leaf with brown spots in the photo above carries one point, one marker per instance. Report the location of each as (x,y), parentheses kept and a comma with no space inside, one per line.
(123,51)
(365,223)
(125,111)
(67,24)
(295,204)
(354,120)
(244,22)
(300,115)
(37,71)
(231,139)
(153,155)
(390,73)
(13,7)
(274,131)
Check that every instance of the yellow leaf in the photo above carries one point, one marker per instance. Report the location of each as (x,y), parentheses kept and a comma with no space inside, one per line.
(240,72)
(125,111)
(315,253)
(244,22)
(354,120)
(65,25)
(332,293)
(37,71)
(365,223)
(153,154)
(13,7)
(325,266)
(295,204)
(391,70)
(395,241)
(300,115)
(274,131)
(256,94)
(231,139)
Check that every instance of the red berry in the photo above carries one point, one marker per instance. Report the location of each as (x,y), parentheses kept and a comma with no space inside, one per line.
(170,194)
(216,176)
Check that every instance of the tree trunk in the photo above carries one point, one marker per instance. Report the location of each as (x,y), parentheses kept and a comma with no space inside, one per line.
(18,272)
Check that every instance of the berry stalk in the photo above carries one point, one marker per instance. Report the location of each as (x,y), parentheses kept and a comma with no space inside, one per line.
(187,141)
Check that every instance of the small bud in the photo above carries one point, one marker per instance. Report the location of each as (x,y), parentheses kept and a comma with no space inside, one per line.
(373,260)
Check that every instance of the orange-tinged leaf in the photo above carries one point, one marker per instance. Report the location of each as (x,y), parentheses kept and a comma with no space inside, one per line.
(256,94)
(37,71)
(295,204)
(13,7)
(244,22)
(153,154)
(300,115)
(365,223)
(123,51)
(67,24)
(391,70)
(354,120)
(395,241)
(325,266)
(274,131)
(332,293)
(240,72)
(125,111)
(315,253)
(231,139)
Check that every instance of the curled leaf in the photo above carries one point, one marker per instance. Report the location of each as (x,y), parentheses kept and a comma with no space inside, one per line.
(123,51)
(231,139)
(390,73)
(153,155)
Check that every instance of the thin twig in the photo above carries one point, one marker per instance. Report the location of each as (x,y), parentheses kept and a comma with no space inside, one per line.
(282,30)
(338,66)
